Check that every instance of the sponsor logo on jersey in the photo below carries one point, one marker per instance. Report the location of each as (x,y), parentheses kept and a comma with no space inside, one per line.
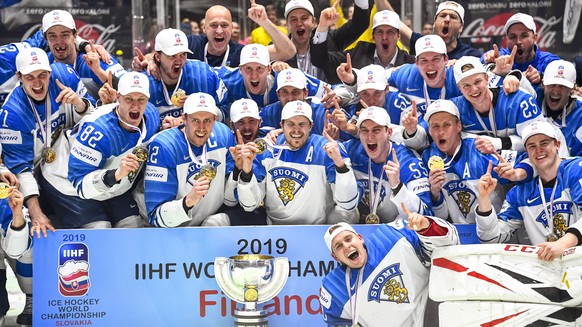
(194,170)
(464,197)
(288,182)
(156,174)
(325,298)
(73,269)
(86,154)
(388,286)
(8,136)
(561,213)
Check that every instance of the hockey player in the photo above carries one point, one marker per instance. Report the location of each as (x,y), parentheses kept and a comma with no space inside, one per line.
(188,168)
(35,114)
(385,277)
(60,33)
(387,173)
(455,166)
(305,179)
(90,184)
(548,206)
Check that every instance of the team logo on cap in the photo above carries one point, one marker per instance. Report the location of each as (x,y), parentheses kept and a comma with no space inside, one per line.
(288,182)
(370,76)
(202,101)
(178,39)
(560,71)
(389,286)
(34,58)
(73,269)
(288,76)
(254,51)
(427,42)
(463,195)
(136,80)
(56,17)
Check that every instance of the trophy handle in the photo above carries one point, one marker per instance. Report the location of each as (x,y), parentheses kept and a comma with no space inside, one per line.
(224,280)
(278,280)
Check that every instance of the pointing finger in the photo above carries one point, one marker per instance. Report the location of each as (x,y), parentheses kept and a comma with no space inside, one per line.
(239,138)
(348,63)
(110,78)
(394,157)
(327,136)
(414,108)
(364,105)
(405,209)
(335,4)
(92,46)
(139,54)
(253,3)
(512,55)
(495,50)
(61,86)
(489,167)
(498,156)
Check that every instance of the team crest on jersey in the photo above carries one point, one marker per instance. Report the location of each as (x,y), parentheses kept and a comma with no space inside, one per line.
(363,186)
(73,269)
(562,212)
(288,182)
(389,286)
(464,197)
(194,170)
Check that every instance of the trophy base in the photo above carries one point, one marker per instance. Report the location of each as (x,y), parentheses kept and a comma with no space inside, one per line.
(250,318)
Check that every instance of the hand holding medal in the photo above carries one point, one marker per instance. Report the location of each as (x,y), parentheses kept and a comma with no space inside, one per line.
(5,190)
(141,155)
(178,98)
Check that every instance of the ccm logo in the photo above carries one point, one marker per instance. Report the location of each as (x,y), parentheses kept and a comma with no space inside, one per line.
(521,248)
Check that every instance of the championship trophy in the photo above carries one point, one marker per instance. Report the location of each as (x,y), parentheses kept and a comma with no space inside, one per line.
(251,279)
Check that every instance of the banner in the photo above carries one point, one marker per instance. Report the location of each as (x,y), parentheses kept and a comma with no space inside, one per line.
(165,277)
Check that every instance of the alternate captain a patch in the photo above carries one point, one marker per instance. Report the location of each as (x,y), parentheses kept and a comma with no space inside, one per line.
(389,286)
(288,182)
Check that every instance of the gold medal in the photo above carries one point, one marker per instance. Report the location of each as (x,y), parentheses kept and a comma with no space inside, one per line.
(176,96)
(207,170)
(261,145)
(372,218)
(141,152)
(552,238)
(436,162)
(251,295)
(48,154)
(4,191)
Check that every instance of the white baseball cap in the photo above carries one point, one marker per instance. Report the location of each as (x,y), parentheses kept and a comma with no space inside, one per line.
(197,102)
(378,115)
(32,59)
(467,66)
(57,17)
(538,127)
(296,108)
(386,17)
(560,72)
(451,5)
(334,230)
(254,53)
(441,106)
(372,77)
(242,108)
(291,77)
(171,41)
(430,43)
(525,19)
(134,82)
(299,4)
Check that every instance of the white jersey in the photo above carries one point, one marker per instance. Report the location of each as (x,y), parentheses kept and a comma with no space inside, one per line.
(299,187)
(542,216)
(394,286)
(171,172)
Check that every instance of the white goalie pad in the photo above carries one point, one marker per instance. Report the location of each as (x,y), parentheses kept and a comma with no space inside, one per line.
(503,314)
(505,272)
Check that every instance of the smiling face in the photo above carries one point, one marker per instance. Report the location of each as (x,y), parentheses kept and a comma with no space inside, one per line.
(300,23)
(296,130)
(131,108)
(525,39)
(170,66)
(376,140)
(476,90)
(35,84)
(556,96)
(542,150)
(433,68)
(445,130)
(218,29)
(255,77)
(198,126)
(448,25)
(248,127)
(348,248)
(61,42)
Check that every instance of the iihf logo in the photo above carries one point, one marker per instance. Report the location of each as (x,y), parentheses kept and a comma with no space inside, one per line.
(73,269)
(136,80)
(370,76)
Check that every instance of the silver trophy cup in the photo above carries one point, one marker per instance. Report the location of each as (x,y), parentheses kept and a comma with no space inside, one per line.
(251,279)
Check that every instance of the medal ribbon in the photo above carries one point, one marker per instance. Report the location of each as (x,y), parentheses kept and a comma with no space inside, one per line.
(354,300)
(491,121)
(374,195)
(46,133)
(225,54)
(203,159)
(167,96)
(549,213)
(427,98)
(142,132)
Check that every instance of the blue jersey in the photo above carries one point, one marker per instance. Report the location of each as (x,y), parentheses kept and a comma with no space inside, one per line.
(511,114)
(524,207)
(196,77)
(569,122)
(394,280)
(539,62)
(415,191)
(171,172)
(409,81)
(91,80)
(459,192)
(234,82)
(197,44)
(100,142)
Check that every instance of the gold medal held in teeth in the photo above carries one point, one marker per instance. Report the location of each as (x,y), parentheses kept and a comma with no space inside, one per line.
(176,96)
(436,162)
(48,154)
(207,170)
(261,145)
(372,218)
(4,191)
